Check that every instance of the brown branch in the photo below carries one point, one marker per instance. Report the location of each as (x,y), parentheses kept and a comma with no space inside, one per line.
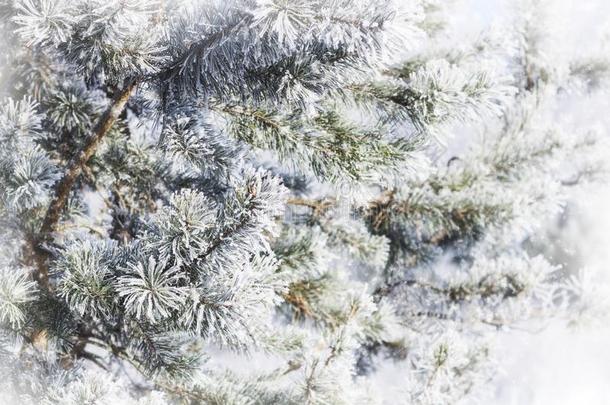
(319,207)
(71,174)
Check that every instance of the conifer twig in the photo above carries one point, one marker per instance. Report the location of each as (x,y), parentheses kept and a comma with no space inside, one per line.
(71,174)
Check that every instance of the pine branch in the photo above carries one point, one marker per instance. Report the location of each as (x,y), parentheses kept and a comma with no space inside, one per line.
(181,68)
(71,174)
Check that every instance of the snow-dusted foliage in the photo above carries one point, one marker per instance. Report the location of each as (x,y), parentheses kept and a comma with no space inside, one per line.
(182,181)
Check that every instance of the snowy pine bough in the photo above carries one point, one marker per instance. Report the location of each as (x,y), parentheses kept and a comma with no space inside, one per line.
(258,201)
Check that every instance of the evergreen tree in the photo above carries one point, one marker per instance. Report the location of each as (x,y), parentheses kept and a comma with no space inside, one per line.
(186,181)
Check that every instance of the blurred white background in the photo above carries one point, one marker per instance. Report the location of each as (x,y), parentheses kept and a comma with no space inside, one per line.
(565,365)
